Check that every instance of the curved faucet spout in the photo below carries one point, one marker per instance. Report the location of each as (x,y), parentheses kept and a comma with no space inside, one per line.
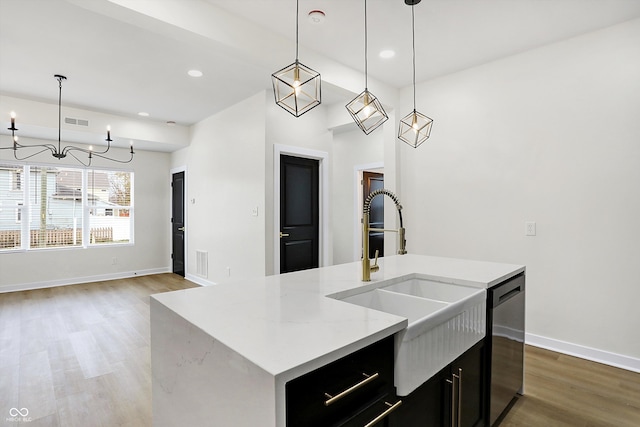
(367,268)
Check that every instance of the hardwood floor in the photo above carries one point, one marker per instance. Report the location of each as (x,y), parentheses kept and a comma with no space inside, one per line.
(79,356)
(562,390)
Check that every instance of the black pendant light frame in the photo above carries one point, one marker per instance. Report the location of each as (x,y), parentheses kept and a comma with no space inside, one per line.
(365,109)
(296,87)
(414,128)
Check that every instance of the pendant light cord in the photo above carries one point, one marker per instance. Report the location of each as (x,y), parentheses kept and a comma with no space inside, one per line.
(366,71)
(413,33)
(297,19)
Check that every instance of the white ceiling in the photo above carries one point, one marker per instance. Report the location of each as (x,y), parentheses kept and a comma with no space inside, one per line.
(119,60)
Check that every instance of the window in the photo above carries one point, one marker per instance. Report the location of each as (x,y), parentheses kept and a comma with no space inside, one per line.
(55,207)
(17,180)
(11,200)
(109,200)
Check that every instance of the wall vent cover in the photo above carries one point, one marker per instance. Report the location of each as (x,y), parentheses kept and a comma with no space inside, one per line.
(77,122)
(202,263)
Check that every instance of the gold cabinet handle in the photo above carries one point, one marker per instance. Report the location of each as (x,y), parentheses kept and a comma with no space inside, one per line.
(385,413)
(283,234)
(333,399)
(456,398)
(453,400)
(459,397)
(181,229)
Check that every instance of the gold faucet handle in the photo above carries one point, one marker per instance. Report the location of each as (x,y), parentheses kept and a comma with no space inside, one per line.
(375,267)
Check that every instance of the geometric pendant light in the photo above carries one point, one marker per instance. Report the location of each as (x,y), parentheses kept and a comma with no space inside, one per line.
(415,127)
(297,87)
(365,109)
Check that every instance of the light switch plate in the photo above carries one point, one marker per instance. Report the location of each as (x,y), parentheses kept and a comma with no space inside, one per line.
(530,228)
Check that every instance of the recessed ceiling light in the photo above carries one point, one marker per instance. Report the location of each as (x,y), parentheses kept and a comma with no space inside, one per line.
(143,114)
(195,73)
(388,53)
(316,17)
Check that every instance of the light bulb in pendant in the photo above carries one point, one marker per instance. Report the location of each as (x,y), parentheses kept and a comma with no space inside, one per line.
(296,80)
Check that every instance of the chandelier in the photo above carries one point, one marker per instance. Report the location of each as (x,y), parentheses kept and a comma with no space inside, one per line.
(60,152)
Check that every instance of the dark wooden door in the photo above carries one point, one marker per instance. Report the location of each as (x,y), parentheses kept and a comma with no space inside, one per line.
(372,181)
(299,213)
(177,223)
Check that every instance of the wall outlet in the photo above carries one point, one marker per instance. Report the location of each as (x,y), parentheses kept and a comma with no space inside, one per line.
(114,261)
(228,271)
(254,211)
(530,228)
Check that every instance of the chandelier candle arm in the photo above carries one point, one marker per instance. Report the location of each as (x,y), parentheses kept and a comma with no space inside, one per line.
(365,109)
(60,152)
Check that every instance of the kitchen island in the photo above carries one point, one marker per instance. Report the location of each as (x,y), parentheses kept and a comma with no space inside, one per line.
(222,355)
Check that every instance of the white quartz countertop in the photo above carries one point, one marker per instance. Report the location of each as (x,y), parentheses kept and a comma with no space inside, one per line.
(286,324)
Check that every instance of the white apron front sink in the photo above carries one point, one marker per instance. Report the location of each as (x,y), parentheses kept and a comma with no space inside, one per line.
(444,321)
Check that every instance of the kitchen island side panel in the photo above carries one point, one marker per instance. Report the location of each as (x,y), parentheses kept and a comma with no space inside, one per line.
(197,380)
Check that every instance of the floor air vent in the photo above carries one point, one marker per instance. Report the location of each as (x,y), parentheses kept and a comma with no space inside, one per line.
(202,263)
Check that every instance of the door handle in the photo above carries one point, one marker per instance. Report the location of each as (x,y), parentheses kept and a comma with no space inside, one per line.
(180,228)
(283,234)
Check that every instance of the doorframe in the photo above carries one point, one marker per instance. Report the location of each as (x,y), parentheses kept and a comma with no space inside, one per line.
(323,202)
(173,171)
(358,201)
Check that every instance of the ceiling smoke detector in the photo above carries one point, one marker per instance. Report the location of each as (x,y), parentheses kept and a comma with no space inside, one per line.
(316,17)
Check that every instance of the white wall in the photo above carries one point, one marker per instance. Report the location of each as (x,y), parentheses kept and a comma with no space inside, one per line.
(230,170)
(552,136)
(308,131)
(225,168)
(150,254)
(352,149)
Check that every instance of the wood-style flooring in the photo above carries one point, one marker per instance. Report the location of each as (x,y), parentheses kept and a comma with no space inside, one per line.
(562,390)
(79,356)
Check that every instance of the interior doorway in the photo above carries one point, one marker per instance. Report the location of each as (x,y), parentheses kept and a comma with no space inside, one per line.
(372,181)
(299,213)
(177,223)
(322,157)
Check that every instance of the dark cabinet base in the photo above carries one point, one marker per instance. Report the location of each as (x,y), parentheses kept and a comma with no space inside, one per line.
(435,402)
(367,372)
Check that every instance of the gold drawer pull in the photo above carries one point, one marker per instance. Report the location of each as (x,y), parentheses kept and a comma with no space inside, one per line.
(385,413)
(333,399)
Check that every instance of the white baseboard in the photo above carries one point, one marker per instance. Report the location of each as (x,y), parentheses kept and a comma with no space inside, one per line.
(198,280)
(79,280)
(588,353)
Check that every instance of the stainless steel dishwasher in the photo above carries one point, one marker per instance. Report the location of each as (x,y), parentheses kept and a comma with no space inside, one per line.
(505,321)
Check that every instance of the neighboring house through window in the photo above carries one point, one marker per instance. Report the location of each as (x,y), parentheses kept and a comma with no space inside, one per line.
(65,206)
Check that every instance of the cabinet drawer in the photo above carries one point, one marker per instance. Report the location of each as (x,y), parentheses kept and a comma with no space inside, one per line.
(335,393)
